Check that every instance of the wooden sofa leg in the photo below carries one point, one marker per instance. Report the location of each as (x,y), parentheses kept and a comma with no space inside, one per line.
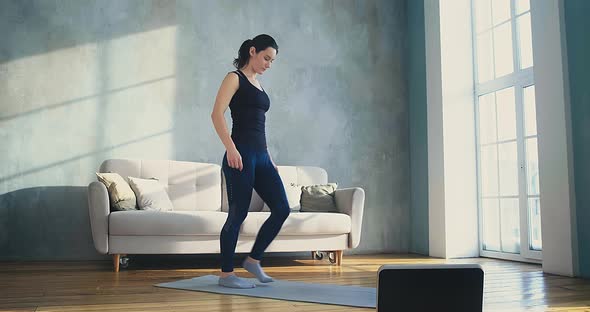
(116,258)
(339,257)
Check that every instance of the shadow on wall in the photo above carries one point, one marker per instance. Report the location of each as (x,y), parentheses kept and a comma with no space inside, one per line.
(46,223)
(95,80)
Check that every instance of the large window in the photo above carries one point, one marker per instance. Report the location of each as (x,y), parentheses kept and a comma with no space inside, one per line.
(508,180)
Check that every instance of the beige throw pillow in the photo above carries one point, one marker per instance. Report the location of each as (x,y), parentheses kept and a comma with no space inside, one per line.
(120,194)
(151,194)
(318,198)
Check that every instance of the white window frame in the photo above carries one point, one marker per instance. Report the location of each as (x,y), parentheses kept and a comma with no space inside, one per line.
(519,79)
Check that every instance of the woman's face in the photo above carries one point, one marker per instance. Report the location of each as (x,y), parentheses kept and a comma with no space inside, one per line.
(262,60)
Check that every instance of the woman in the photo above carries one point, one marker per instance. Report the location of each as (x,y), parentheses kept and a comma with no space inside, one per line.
(247,165)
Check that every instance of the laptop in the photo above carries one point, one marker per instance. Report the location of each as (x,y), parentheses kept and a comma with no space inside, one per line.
(430,287)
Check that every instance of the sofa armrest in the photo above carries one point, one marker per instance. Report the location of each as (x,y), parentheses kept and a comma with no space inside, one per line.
(98,210)
(351,201)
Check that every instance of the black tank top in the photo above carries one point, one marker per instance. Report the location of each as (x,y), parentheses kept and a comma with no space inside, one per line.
(248,106)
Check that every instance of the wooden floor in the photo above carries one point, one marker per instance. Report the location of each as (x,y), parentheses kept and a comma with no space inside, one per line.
(92,286)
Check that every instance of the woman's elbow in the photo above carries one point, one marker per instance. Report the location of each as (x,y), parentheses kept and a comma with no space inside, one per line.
(215,116)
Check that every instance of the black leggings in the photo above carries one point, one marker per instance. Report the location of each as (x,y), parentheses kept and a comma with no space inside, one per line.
(258,173)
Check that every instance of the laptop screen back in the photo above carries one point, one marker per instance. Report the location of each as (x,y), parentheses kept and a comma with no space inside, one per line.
(441,287)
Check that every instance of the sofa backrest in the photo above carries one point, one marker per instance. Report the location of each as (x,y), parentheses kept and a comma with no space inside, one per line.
(190,185)
(199,186)
(293,178)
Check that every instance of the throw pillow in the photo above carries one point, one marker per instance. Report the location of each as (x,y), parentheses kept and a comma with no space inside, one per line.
(120,194)
(151,194)
(318,198)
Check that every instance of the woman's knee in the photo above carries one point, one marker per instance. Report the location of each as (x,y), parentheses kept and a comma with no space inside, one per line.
(234,222)
(231,227)
(282,213)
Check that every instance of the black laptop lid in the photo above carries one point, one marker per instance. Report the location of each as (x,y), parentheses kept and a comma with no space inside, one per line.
(436,287)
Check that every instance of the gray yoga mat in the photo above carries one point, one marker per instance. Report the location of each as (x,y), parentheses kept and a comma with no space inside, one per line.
(354,296)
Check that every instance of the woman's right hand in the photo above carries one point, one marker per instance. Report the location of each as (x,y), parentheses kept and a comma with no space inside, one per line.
(234,159)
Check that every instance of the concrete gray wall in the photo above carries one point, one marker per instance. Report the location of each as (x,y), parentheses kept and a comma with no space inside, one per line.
(578,50)
(416,72)
(84,81)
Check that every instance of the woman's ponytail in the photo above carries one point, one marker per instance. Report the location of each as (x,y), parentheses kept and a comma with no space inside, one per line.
(243,54)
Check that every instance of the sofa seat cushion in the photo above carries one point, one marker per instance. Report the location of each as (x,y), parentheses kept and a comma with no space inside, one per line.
(301,223)
(141,222)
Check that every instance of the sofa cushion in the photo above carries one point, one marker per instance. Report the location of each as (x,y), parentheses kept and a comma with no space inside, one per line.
(299,223)
(150,194)
(152,223)
(140,222)
(318,198)
(120,194)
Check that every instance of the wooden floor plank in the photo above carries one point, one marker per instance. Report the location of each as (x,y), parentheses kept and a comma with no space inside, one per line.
(92,286)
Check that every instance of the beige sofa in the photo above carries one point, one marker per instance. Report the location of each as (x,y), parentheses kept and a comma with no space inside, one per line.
(197,191)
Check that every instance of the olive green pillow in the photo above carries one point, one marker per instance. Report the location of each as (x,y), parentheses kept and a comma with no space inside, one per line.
(318,198)
(121,195)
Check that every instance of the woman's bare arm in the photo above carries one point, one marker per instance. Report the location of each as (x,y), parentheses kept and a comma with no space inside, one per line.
(228,88)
